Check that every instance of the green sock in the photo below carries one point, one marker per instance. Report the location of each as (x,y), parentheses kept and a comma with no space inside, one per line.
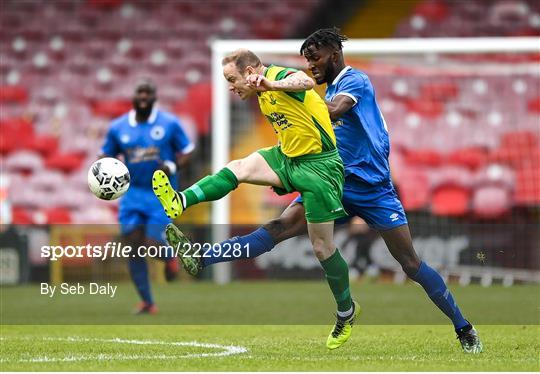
(211,187)
(337,276)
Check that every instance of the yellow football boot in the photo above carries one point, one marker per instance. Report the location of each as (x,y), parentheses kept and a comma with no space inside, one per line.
(342,329)
(167,196)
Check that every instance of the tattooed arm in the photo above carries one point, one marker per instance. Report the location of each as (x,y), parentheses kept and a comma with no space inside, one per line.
(296,82)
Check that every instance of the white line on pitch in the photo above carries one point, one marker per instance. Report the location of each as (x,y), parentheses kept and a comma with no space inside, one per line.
(227,350)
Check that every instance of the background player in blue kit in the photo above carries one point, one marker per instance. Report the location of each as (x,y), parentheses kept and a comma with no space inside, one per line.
(364,146)
(148,139)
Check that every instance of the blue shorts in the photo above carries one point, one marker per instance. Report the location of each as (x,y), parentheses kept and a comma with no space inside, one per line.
(378,205)
(139,206)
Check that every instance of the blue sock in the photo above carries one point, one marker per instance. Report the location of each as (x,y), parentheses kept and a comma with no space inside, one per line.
(138,269)
(437,291)
(247,246)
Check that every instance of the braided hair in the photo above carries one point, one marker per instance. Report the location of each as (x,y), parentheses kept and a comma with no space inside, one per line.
(330,37)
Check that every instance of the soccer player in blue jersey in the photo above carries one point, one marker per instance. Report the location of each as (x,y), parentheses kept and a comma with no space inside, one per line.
(148,139)
(363,144)
(368,192)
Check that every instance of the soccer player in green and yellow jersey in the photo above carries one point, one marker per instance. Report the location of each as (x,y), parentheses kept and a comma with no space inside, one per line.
(306,160)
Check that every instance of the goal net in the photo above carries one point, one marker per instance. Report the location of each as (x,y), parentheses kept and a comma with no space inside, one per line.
(463,118)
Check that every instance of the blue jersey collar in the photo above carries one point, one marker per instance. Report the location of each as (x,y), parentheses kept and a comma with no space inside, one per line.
(151,118)
(345,69)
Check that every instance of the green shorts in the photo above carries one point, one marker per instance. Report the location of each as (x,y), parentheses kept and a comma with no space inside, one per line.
(318,177)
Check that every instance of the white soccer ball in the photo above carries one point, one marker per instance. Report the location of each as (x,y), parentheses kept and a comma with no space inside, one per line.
(108,178)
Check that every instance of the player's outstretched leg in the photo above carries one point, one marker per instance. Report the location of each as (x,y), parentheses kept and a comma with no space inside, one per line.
(183,249)
(210,188)
(166,195)
(291,223)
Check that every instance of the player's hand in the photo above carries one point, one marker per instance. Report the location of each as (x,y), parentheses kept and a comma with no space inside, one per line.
(259,82)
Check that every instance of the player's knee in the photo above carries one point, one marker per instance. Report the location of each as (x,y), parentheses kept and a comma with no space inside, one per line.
(410,266)
(239,169)
(322,248)
(277,229)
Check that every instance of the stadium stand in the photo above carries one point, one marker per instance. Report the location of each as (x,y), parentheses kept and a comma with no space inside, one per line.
(436,18)
(68,68)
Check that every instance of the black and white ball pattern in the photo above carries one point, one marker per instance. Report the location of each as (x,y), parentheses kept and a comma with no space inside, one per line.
(108,178)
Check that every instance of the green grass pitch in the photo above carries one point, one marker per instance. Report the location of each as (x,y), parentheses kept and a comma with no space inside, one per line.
(203,327)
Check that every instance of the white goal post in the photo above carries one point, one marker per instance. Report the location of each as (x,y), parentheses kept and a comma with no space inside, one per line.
(221,112)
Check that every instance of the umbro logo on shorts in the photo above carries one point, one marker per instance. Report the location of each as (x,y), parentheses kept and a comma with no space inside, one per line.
(394,217)
(337,210)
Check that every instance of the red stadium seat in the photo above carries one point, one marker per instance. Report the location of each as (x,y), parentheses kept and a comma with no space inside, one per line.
(514,155)
(9,143)
(423,157)
(21,216)
(104,4)
(519,139)
(451,191)
(270,29)
(439,91)
(111,108)
(527,190)
(43,144)
(66,162)
(425,107)
(534,105)
(472,158)
(13,94)
(19,127)
(434,11)
(450,200)
(57,215)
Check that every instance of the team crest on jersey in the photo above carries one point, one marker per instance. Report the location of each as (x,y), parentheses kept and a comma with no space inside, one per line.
(337,123)
(273,100)
(157,133)
(124,138)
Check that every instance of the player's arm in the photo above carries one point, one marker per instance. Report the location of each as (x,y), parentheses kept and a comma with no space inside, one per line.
(183,145)
(295,82)
(170,167)
(183,159)
(339,106)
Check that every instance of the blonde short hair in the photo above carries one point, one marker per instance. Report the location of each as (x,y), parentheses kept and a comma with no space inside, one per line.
(242,58)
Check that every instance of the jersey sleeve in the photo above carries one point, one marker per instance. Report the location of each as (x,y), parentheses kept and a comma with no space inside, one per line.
(110,146)
(181,142)
(285,73)
(352,87)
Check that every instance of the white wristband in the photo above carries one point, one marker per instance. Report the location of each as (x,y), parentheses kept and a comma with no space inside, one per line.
(171,165)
